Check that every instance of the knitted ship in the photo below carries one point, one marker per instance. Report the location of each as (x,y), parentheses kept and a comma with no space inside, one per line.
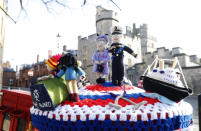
(166,81)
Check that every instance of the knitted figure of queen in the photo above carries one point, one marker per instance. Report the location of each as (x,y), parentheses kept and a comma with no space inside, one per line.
(101,58)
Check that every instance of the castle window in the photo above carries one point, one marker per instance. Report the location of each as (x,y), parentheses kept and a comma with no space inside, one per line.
(11,82)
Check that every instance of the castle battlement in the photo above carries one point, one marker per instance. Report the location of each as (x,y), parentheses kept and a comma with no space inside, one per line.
(195,59)
(80,38)
(162,52)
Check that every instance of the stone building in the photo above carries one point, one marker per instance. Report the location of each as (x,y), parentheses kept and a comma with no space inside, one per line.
(105,21)
(2,35)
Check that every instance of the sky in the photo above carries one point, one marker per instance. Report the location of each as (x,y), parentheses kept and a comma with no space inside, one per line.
(175,23)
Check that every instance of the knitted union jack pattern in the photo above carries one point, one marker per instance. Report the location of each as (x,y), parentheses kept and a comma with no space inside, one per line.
(140,84)
(93,112)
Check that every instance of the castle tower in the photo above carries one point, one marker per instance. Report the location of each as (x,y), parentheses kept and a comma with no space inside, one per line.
(2,36)
(105,20)
(147,42)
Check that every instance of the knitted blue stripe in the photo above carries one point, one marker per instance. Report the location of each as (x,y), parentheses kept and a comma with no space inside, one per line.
(44,124)
(107,84)
(105,97)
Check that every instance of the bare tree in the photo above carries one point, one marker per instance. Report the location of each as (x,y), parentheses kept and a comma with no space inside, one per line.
(48,5)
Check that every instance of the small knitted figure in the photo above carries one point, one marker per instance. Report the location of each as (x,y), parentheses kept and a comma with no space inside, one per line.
(117,49)
(101,58)
(69,67)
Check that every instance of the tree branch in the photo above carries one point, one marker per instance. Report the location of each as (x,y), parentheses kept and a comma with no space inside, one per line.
(115,4)
(8,15)
(22,10)
(59,3)
(47,2)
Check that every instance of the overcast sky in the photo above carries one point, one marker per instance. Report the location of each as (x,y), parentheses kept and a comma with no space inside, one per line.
(173,22)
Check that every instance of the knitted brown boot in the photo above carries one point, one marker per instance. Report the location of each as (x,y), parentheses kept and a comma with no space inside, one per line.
(76,97)
(70,98)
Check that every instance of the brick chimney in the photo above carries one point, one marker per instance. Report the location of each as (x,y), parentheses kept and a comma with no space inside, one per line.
(37,59)
(16,68)
(49,53)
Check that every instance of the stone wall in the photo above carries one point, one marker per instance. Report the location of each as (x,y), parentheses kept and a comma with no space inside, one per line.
(195,59)
(164,53)
(134,44)
(86,49)
(134,73)
(185,60)
(193,78)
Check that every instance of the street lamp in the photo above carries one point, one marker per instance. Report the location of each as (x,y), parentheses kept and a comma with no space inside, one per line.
(58,41)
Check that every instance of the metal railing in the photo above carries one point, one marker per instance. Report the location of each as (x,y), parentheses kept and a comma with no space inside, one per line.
(15,88)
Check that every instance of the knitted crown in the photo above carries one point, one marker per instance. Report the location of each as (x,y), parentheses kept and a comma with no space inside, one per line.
(53,61)
(102,37)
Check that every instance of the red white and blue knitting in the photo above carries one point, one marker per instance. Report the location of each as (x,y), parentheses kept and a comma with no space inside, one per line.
(93,112)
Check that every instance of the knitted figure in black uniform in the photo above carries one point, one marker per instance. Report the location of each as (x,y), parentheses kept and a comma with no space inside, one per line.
(117,49)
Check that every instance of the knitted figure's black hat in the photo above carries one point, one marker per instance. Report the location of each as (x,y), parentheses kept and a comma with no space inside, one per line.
(117,30)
